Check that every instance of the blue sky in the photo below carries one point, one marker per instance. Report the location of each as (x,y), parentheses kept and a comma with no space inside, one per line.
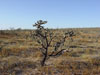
(58,13)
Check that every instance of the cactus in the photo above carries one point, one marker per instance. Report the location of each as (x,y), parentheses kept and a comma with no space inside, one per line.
(45,37)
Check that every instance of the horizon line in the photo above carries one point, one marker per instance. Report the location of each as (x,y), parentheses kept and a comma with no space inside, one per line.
(12,28)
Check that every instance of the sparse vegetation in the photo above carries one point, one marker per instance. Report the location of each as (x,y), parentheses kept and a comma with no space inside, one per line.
(20,55)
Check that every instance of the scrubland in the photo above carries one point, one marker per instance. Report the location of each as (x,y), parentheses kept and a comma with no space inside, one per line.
(20,55)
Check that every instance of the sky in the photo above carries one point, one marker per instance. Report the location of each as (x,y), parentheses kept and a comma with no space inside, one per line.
(58,13)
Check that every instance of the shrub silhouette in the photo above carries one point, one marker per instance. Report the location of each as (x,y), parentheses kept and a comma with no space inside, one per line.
(45,38)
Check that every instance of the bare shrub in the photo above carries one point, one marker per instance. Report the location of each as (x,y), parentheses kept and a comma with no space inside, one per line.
(45,38)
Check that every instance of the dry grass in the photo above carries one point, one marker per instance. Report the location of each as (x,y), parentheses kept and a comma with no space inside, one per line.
(21,55)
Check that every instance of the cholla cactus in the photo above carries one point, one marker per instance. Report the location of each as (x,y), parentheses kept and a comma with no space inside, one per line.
(45,38)
(39,23)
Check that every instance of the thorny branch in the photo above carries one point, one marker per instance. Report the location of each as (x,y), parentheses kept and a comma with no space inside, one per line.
(45,38)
